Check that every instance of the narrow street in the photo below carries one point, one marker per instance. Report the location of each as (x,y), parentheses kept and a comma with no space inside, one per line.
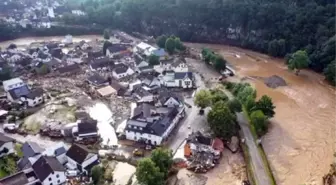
(258,166)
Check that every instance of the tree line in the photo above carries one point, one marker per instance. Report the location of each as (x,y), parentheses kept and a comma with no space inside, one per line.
(273,27)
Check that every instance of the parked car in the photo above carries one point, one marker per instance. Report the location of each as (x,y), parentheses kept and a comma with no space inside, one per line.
(138,153)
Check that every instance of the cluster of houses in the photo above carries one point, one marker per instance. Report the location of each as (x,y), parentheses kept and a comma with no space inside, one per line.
(47,166)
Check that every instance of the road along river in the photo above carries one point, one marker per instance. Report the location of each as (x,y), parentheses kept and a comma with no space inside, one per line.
(301,141)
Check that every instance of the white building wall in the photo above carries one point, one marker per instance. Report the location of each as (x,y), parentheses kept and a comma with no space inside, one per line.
(72,165)
(9,146)
(135,136)
(35,102)
(62,158)
(55,179)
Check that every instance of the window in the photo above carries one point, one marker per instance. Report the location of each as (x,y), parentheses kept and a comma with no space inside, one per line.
(135,127)
(57,176)
(58,181)
(51,183)
(140,128)
(49,179)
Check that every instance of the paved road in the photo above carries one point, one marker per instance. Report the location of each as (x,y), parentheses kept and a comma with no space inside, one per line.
(258,166)
(193,119)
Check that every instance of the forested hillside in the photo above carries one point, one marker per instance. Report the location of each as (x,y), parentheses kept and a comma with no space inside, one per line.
(276,27)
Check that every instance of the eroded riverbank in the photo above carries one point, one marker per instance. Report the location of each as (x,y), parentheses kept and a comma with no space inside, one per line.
(301,141)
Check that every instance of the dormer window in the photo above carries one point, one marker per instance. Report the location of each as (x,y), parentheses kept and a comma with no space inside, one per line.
(135,127)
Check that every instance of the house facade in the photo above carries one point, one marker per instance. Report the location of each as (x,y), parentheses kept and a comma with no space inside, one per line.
(34,98)
(12,83)
(144,48)
(151,124)
(121,70)
(80,158)
(181,79)
(49,170)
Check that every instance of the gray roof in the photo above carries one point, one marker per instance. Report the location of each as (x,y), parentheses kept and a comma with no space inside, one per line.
(38,92)
(96,79)
(182,75)
(45,165)
(16,93)
(4,139)
(104,62)
(143,110)
(141,92)
(30,149)
(120,68)
(165,94)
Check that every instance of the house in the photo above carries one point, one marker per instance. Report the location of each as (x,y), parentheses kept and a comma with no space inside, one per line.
(12,83)
(33,98)
(97,81)
(180,79)
(16,93)
(29,149)
(87,128)
(45,23)
(143,95)
(166,64)
(6,145)
(73,68)
(24,23)
(58,150)
(83,45)
(150,82)
(49,170)
(180,67)
(151,124)
(144,49)
(103,63)
(121,70)
(81,158)
(77,12)
(161,53)
(107,91)
(119,89)
(169,99)
(116,49)
(24,177)
(95,54)
(67,39)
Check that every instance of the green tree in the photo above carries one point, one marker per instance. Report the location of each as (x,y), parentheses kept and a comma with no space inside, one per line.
(222,121)
(259,122)
(245,93)
(163,159)
(106,34)
(234,105)
(298,61)
(170,45)
(329,72)
(265,104)
(220,63)
(218,95)
(249,104)
(203,98)
(97,174)
(153,60)
(148,173)
(178,44)
(161,41)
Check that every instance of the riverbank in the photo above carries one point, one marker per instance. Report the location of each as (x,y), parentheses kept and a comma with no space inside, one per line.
(302,131)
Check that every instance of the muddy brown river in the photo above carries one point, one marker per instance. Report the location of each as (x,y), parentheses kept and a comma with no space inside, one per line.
(301,141)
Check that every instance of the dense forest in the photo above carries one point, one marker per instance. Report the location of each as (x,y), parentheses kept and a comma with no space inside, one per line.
(275,27)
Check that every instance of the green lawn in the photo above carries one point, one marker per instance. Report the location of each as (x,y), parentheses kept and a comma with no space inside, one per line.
(3,173)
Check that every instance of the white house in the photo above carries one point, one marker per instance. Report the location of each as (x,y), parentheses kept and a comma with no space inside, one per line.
(181,79)
(121,70)
(150,82)
(6,145)
(169,99)
(51,13)
(67,39)
(12,83)
(49,170)
(144,48)
(180,67)
(34,98)
(152,125)
(83,45)
(80,158)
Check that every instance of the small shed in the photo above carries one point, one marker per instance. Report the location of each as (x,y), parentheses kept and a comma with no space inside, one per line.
(107,91)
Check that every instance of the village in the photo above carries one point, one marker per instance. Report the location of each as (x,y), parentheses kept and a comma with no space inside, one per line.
(72,105)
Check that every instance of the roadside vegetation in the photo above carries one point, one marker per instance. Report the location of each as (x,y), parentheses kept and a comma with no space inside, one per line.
(211,58)
(154,170)
(171,44)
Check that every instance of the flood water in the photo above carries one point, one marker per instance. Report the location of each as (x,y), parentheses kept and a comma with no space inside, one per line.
(301,141)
